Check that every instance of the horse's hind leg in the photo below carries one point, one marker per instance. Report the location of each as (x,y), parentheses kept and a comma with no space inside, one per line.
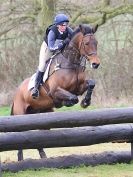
(87,100)
(64,96)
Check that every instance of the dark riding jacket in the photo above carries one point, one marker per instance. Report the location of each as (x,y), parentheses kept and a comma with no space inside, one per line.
(55,38)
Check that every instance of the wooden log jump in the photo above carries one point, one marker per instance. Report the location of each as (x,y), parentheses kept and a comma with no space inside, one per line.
(81,136)
(66,119)
(69,161)
(86,131)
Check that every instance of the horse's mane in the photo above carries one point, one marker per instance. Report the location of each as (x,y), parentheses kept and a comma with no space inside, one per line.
(87,30)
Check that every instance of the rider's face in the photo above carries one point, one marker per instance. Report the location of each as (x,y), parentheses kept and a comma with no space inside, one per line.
(62,27)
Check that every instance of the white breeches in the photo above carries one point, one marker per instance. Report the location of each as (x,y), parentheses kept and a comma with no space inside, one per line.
(45,54)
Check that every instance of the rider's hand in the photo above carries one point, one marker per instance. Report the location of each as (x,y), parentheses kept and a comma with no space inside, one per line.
(60,46)
(66,41)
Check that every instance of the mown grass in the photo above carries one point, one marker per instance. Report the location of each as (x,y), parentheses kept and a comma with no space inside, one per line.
(5,110)
(118,170)
(74,108)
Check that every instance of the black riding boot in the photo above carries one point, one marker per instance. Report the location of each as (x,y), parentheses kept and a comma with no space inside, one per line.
(38,81)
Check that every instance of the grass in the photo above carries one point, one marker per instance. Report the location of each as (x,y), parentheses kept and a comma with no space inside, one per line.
(74,108)
(118,170)
(5,111)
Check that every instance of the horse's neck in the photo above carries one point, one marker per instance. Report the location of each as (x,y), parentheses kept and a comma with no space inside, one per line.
(71,52)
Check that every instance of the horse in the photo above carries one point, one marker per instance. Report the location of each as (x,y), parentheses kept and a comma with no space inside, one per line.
(66,79)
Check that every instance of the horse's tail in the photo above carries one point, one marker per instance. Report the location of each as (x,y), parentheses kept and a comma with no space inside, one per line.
(11,113)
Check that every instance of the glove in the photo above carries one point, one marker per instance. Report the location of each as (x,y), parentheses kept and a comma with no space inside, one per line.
(66,41)
(60,46)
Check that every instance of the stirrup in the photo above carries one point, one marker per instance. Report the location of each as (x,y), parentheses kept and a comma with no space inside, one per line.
(35,93)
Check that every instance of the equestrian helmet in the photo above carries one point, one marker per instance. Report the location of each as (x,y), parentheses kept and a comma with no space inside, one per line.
(60,19)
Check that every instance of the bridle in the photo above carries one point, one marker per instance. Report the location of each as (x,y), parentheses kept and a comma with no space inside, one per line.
(83,44)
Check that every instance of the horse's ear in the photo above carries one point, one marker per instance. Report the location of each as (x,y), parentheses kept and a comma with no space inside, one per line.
(94,29)
(82,29)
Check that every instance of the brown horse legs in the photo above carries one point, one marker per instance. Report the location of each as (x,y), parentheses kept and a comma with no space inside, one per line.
(65,97)
(87,100)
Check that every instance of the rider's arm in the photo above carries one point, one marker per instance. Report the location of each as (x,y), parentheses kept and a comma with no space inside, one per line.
(52,44)
(70,32)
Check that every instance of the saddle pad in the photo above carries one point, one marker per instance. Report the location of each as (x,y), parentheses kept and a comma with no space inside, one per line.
(33,77)
(32,82)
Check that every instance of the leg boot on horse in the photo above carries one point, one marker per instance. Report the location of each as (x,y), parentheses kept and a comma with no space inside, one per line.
(87,100)
(38,81)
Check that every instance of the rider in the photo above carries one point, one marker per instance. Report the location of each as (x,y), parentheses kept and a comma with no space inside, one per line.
(56,37)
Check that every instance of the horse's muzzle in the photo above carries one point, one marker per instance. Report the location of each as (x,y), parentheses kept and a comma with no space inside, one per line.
(95,65)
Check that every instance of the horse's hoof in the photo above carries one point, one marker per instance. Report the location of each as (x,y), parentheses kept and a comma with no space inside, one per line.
(58,105)
(84,103)
(74,100)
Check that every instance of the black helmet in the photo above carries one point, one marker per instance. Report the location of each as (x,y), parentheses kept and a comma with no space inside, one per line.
(60,18)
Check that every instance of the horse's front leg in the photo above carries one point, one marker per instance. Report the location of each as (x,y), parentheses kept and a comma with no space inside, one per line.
(65,97)
(87,100)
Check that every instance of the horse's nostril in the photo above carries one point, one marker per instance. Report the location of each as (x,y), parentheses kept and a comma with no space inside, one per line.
(95,65)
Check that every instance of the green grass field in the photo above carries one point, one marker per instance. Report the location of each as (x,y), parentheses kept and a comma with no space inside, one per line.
(4,111)
(118,170)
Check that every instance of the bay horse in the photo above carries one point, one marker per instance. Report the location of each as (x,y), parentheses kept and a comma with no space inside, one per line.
(66,79)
